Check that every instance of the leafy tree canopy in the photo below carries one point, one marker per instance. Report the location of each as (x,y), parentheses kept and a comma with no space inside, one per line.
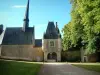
(84,26)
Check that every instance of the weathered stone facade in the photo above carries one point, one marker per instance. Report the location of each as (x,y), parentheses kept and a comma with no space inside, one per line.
(22,52)
(48,49)
(51,43)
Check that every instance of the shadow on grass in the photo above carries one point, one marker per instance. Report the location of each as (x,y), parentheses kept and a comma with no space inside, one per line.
(19,68)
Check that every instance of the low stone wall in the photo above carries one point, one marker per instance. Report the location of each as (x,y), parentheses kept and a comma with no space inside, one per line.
(93,57)
(71,56)
(75,56)
(21,52)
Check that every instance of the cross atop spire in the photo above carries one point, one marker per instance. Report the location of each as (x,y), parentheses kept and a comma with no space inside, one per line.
(26,18)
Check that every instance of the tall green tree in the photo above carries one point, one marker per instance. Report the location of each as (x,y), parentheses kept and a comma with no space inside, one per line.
(67,36)
(84,25)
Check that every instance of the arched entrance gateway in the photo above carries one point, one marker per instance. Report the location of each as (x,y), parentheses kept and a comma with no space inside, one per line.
(52,56)
(51,43)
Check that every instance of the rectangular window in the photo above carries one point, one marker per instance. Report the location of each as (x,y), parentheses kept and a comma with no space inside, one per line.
(51,43)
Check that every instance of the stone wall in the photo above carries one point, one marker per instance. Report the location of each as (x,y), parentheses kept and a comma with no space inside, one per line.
(46,45)
(22,52)
(93,57)
(71,56)
(78,56)
(38,54)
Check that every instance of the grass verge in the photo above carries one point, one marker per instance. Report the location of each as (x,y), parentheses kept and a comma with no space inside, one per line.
(89,66)
(19,68)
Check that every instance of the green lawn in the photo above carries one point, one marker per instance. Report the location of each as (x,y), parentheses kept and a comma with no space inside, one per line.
(19,68)
(89,66)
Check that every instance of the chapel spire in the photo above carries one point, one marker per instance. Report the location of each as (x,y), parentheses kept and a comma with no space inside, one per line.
(26,18)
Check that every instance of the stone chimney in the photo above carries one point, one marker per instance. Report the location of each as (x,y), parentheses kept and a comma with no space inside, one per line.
(56,24)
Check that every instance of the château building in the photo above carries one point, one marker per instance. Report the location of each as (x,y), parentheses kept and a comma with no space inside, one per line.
(19,43)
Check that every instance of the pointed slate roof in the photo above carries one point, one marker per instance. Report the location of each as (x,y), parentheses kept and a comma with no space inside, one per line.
(15,36)
(27,11)
(26,18)
(51,32)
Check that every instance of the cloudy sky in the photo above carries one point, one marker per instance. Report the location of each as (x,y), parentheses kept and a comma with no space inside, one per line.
(41,12)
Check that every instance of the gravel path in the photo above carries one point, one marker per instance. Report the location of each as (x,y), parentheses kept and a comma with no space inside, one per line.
(64,69)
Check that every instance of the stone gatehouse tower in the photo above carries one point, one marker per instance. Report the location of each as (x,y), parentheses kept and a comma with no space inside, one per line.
(51,43)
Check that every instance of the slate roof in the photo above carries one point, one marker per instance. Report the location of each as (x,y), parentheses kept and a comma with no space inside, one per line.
(38,42)
(15,36)
(51,32)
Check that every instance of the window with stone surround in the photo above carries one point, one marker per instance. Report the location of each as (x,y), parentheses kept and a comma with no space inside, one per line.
(52,44)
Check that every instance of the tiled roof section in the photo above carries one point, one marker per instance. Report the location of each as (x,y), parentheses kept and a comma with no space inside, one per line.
(38,43)
(15,36)
(51,32)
